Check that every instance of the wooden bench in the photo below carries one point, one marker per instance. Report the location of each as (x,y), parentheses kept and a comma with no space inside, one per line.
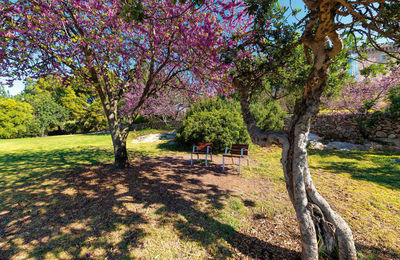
(201,148)
(236,151)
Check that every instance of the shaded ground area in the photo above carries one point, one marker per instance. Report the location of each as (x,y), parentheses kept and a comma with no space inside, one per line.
(59,201)
(97,211)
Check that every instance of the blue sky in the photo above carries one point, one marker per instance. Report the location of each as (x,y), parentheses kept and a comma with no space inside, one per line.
(16,88)
(294,4)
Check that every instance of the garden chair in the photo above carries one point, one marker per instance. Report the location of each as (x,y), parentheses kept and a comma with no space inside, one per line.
(236,151)
(201,148)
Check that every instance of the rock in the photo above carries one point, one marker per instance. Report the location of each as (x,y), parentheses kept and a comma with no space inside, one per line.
(380,134)
(389,141)
(317,145)
(392,136)
(343,146)
(314,137)
(147,138)
(167,137)
(377,147)
(155,137)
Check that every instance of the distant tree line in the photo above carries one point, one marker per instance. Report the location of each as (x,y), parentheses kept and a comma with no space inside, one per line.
(53,106)
(49,106)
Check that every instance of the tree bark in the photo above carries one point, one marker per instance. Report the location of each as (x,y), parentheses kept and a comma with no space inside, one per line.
(321,228)
(119,131)
(120,152)
(119,135)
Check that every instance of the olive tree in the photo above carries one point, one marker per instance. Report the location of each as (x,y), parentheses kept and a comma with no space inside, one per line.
(321,36)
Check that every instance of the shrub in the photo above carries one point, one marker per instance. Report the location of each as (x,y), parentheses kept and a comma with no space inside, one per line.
(268,114)
(216,120)
(394,98)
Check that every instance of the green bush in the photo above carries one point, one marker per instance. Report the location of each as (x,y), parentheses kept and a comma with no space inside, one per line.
(46,111)
(216,120)
(220,121)
(268,114)
(394,98)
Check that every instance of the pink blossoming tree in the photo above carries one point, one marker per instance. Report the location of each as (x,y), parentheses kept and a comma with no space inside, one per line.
(359,97)
(175,45)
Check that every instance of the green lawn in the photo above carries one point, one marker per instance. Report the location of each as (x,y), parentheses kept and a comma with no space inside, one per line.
(61,198)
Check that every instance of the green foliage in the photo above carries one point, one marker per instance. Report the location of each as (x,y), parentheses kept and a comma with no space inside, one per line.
(93,118)
(268,114)
(85,112)
(141,119)
(47,113)
(394,98)
(286,82)
(220,121)
(15,118)
(373,69)
(339,70)
(215,120)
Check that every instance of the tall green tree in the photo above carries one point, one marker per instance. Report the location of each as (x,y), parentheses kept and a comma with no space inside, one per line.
(47,113)
(85,113)
(15,116)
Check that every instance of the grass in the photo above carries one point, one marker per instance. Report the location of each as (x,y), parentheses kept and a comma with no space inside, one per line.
(61,198)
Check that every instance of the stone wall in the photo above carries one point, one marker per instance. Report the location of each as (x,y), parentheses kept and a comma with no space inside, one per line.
(345,128)
(336,128)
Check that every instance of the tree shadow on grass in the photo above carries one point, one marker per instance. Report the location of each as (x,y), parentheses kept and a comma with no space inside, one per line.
(173,183)
(173,146)
(43,213)
(371,252)
(386,171)
(58,206)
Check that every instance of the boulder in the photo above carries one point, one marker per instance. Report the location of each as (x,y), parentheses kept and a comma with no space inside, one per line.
(314,137)
(381,134)
(317,145)
(343,146)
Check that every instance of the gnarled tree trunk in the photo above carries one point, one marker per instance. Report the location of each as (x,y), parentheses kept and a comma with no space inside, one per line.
(321,228)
